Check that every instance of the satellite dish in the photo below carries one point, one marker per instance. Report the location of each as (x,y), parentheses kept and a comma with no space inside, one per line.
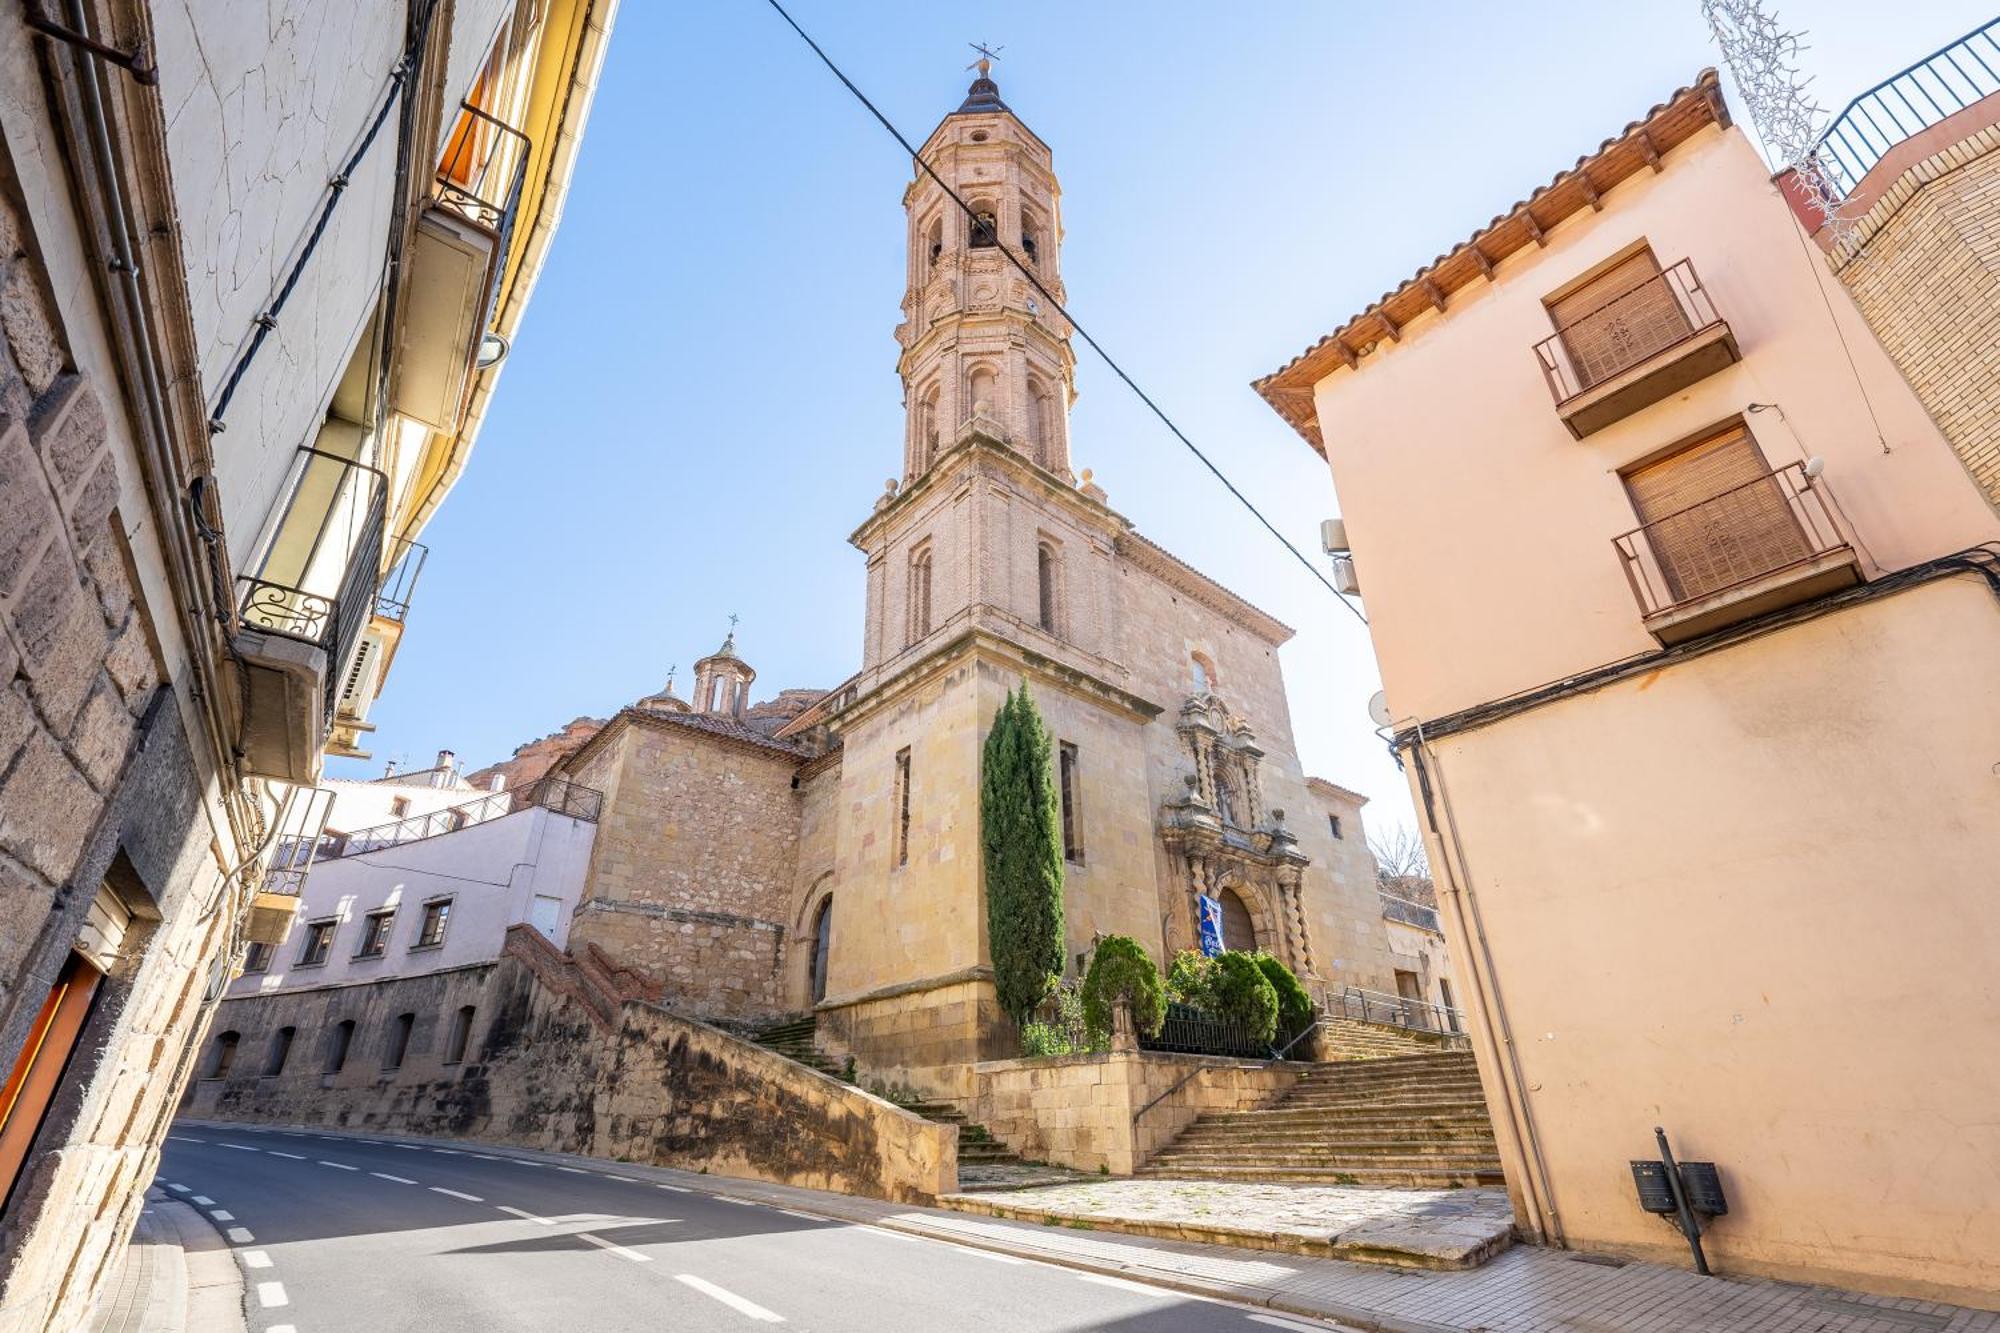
(1378,709)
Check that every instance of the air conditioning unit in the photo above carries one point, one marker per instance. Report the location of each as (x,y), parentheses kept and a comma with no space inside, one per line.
(1344,579)
(1333,536)
(446,303)
(283,689)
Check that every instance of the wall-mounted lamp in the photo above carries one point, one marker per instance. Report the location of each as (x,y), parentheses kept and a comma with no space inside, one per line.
(493,349)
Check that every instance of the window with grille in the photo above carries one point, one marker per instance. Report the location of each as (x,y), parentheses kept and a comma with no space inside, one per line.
(1714,515)
(1618,318)
(903,806)
(1072,812)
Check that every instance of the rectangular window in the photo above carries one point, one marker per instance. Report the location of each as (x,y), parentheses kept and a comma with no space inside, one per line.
(461,1032)
(903,806)
(1072,810)
(431,934)
(257,957)
(1715,515)
(37,1074)
(397,1044)
(1618,318)
(375,934)
(1333,822)
(399,807)
(318,943)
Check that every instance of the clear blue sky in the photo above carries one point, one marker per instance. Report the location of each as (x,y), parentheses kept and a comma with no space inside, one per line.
(702,403)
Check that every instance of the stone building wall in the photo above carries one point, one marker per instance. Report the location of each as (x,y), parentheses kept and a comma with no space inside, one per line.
(1925,269)
(692,873)
(564,1055)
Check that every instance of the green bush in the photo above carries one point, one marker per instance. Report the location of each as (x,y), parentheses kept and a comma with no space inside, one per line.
(1295,1007)
(1065,1034)
(1121,969)
(1188,979)
(1244,995)
(1020,827)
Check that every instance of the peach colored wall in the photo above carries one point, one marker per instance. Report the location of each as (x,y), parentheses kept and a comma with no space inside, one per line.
(1483,532)
(1788,962)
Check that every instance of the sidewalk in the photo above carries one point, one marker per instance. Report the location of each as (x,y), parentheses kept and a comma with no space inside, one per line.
(1525,1290)
(177,1276)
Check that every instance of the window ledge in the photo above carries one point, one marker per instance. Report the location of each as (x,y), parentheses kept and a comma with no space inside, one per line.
(426,948)
(1646,382)
(1816,576)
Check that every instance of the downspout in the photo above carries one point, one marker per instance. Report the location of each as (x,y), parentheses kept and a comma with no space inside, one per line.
(1496,1029)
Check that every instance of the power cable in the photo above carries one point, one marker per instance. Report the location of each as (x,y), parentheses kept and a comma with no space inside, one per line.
(1074,323)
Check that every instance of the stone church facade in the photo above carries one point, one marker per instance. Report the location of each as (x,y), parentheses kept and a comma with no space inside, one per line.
(820,851)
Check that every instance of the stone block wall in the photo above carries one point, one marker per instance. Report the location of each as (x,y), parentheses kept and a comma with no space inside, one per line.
(565,1054)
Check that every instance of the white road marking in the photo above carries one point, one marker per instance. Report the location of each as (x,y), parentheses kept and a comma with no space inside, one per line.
(746,1203)
(1158,1293)
(618,1250)
(810,1217)
(994,1255)
(894,1235)
(1276,1321)
(627,1179)
(518,1162)
(255,1259)
(730,1299)
(469,1198)
(573,1170)
(384,1175)
(406,1147)
(271,1295)
(527,1217)
(222,1214)
(182,1138)
(448,1152)
(239,1235)
(339,1166)
(281,1328)
(239,1147)
(373,1143)
(204,1200)
(290,1156)
(486,1157)
(678,1189)
(178,1189)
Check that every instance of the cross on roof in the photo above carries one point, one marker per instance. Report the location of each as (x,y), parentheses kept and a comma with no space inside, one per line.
(987,55)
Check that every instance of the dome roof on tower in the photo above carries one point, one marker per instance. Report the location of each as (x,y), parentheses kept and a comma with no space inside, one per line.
(982,96)
(726,652)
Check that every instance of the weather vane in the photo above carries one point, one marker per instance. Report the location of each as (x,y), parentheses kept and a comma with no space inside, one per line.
(732,622)
(987,55)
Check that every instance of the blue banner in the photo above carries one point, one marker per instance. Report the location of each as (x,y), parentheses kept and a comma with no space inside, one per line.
(1208,921)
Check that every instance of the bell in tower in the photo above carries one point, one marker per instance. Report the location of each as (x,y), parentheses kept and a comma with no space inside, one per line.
(980,342)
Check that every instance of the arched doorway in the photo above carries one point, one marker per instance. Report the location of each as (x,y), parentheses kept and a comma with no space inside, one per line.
(822,937)
(1239,928)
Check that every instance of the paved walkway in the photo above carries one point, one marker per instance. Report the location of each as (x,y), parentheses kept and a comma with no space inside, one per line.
(1525,1290)
(177,1276)
(1460,1228)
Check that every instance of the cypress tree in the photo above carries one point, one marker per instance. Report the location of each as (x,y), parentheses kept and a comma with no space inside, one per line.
(1020,827)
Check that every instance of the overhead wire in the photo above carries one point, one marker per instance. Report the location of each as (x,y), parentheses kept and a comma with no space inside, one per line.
(1035,280)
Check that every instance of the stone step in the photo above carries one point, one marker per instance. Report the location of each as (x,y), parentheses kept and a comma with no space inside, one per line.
(1360,1113)
(1269,1136)
(1297,1155)
(1382,1177)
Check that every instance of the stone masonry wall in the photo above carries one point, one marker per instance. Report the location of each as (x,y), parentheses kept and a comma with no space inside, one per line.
(691,876)
(563,1056)
(1928,280)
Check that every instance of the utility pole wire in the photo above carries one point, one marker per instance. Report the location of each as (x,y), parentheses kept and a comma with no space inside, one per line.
(1082,332)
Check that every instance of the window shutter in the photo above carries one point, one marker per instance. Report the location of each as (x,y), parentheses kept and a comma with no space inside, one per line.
(1618,319)
(1715,516)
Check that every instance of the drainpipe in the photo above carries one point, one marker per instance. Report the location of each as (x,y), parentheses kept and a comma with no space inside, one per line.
(1496,1029)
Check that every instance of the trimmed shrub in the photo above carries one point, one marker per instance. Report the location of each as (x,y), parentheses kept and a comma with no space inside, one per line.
(1188,979)
(1295,1007)
(1243,995)
(1020,831)
(1120,968)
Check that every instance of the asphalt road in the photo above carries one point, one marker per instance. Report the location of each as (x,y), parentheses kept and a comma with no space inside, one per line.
(337,1233)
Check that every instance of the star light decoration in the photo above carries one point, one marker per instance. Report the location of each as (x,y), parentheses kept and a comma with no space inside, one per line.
(1763,60)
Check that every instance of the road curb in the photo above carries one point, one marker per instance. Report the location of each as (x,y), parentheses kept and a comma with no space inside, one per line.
(179,1276)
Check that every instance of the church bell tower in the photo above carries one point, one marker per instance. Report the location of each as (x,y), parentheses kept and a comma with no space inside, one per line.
(978,341)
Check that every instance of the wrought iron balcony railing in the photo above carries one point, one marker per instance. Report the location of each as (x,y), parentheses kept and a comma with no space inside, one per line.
(318,581)
(1909,102)
(392,601)
(1627,330)
(1409,913)
(483,175)
(559,795)
(1743,536)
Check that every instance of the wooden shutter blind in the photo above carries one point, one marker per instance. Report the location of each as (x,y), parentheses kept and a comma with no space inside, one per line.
(1619,318)
(1715,516)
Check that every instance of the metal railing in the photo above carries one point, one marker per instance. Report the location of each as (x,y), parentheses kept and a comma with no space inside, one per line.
(333,571)
(1660,313)
(1908,102)
(1191,1031)
(482,178)
(392,600)
(1409,913)
(1762,527)
(1372,1006)
(555,794)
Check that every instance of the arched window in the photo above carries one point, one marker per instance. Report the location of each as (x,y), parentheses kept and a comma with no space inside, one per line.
(1041,433)
(985,227)
(337,1042)
(281,1050)
(933,245)
(1031,238)
(920,594)
(1048,586)
(461,1032)
(1239,928)
(927,430)
(398,1044)
(980,385)
(822,941)
(222,1055)
(1204,672)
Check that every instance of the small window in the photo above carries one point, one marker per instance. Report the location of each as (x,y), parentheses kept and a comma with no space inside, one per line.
(222,1054)
(903,806)
(399,807)
(318,943)
(933,245)
(431,933)
(1204,672)
(461,1033)
(1046,586)
(281,1050)
(257,958)
(398,1043)
(920,594)
(1029,245)
(1072,810)
(375,934)
(985,227)
(1333,825)
(337,1042)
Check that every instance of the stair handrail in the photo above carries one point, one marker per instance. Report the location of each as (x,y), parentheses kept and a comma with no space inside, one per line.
(1184,1079)
(1446,1021)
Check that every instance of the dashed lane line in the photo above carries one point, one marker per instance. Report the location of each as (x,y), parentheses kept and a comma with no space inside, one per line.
(203,1200)
(271,1295)
(456,1194)
(183,1138)
(290,1156)
(239,1147)
(611,1248)
(627,1179)
(239,1236)
(810,1217)
(574,1170)
(741,1203)
(222,1214)
(678,1189)
(178,1189)
(338,1166)
(525,1216)
(281,1328)
(730,1299)
(1138,1288)
(1277,1321)
(255,1259)
(384,1175)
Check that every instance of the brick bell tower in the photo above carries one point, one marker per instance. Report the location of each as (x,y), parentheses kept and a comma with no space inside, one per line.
(978,340)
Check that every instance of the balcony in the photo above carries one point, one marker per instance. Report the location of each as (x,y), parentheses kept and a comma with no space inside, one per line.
(456,262)
(1643,345)
(1761,546)
(362,681)
(1410,914)
(1907,103)
(303,613)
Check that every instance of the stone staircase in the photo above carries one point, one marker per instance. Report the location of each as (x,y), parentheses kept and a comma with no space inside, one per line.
(977,1149)
(1408,1121)
(1352,1039)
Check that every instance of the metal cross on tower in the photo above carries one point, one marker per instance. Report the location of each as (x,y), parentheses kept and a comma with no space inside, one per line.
(987,55)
